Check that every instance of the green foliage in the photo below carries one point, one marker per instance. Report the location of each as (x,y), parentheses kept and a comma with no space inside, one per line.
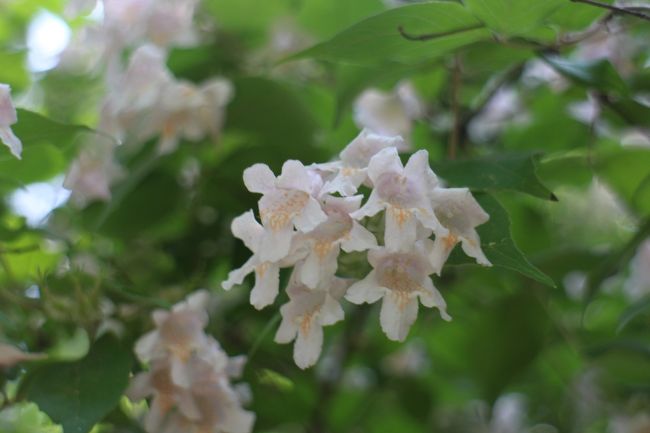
(79,394)
(378,38)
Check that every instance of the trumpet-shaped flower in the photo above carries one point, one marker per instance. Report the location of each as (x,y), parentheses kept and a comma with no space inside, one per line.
(286,202)
(189,375)
(267,274)
(304,316)
(399,278)
(404,193)
(460,214)
(351,170)
(338,231)
(8,117)
(90,176)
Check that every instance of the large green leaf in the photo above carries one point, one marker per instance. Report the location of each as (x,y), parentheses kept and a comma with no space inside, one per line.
(48,147)
(497,243)
(598,74)
(375,39)
(513,17)
(78,395)
(513,172)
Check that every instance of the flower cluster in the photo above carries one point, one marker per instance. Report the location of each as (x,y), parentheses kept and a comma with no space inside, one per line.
(308,214)
(7,118)
(189,375)
(143,99)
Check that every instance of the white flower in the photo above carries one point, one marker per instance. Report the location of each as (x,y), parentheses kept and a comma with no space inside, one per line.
(351,170)
(338,232)
(178,335)
(388,113)
(400,278)
(286,202)
(404,193)
(90,176)
(460,214)
(189,375)
(304,316)
(639,423)
(8,117)
(187,111)
(267,274)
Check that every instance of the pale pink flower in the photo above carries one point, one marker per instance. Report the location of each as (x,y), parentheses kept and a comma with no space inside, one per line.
(403,192)
(8,117)
(460,214)
(338,231)
(399,278)
(287,202)
(304,316)
(267,273)
(93,172)
(389,113)
(351,169)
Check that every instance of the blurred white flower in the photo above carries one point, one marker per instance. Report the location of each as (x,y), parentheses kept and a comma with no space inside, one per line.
(8,117)
(400,278)
(391,113)
(189,375)
(639,423)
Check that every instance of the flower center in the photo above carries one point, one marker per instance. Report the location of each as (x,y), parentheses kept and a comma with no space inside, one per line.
(279,207)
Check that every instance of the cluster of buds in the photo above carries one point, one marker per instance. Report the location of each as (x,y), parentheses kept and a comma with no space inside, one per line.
(8,117)
(143,99)
(310,213)
(189,375)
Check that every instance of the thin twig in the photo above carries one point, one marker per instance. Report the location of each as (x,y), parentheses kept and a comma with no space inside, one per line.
(429,36)
(617,9)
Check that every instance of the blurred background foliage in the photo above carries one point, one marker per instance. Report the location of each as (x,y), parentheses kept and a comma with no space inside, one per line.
(541,107)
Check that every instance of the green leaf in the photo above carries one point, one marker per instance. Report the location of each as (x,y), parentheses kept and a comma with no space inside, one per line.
(598,74)
(26,418)
(639,308)
(497,243)
(514,172)
(513,17)
(48,147)
(78,395)
(13,71)
(375,39)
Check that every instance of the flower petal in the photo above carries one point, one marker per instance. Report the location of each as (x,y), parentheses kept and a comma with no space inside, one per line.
(397,316)
(367,290)
(307,348)
(259,178)
(267,283)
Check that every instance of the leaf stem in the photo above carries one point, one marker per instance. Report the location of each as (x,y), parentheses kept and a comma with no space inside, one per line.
(617,9)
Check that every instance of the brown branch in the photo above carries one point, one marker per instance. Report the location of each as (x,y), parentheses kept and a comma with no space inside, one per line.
(429,36)
(616,9)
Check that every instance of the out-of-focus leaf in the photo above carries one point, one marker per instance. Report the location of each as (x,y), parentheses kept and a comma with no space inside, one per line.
(13,71)
(375,39)
(78,395)
(71,348)
(513,17)
(598,74)
(639,308)
(26,418)
(497,243)
(514,172)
